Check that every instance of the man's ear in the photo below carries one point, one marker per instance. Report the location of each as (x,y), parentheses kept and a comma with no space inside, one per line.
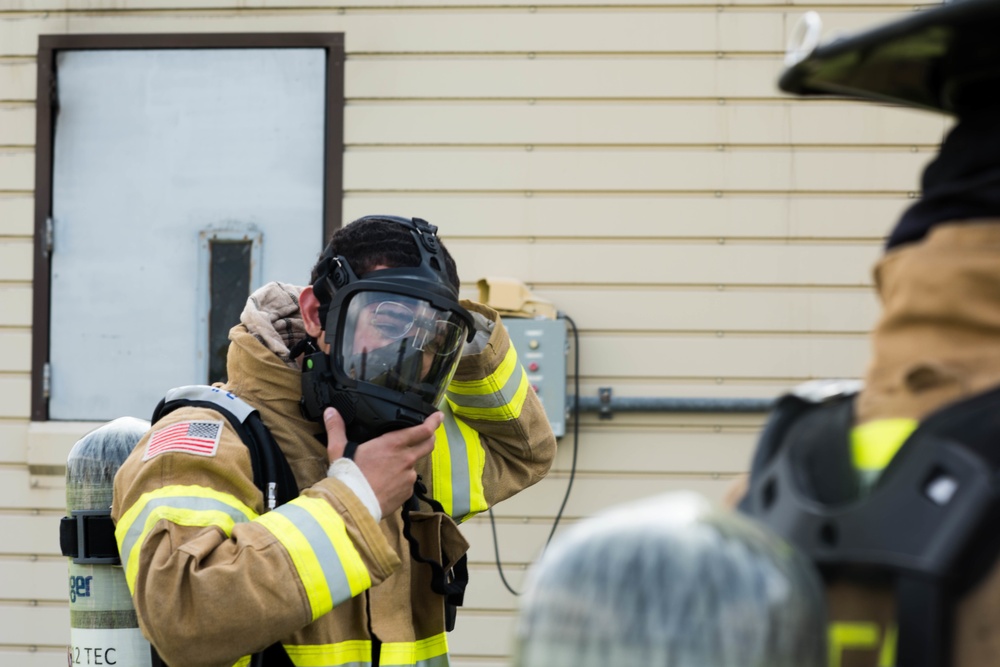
(309,305)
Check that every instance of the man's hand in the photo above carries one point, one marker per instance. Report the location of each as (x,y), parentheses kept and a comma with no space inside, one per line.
(388,461)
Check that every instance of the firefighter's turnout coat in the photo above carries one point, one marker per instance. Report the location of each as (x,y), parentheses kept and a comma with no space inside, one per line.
(214,578)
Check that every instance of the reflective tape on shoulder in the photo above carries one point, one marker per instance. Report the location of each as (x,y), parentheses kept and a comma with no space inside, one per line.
(181,505)
(458,462)
(224,399)
(351,653)
(314,534)
(875,443)
(430,652)
(497,397)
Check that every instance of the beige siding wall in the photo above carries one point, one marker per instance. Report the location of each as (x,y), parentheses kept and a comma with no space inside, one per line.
(634,164)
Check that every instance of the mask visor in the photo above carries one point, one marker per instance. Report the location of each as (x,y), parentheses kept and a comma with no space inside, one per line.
(401,343)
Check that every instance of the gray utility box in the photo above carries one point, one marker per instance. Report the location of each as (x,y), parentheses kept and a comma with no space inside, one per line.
(541,348)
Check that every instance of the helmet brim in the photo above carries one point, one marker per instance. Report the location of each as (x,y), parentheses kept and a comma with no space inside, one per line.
(945,59)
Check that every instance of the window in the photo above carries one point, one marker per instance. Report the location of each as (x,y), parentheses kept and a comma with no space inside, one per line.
(229,260)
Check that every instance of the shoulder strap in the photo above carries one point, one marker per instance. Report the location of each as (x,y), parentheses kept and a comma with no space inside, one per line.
(271,472)
(926,525)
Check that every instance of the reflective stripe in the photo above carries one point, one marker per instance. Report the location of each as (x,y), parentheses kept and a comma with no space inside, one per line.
(181,505)
(430,652)
(316,538)
(887,656)
(497,397)
(851,636)
(243,662)
(458,461)
(353,653)
(874,443)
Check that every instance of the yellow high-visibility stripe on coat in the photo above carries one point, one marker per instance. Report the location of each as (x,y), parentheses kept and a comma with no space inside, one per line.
(313,533)
(351,653)
(458,459)
(429,652)
(499,396)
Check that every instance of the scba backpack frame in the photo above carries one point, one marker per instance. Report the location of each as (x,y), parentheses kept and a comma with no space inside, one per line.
(103,622)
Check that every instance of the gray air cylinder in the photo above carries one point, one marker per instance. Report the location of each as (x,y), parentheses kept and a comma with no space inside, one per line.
(103,625)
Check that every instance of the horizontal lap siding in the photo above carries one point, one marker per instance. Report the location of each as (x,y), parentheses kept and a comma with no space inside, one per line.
(527,5)
(628,262)
(485,169)
(635,165)
(643,123)
(537,28)
(666,215)
(15,390)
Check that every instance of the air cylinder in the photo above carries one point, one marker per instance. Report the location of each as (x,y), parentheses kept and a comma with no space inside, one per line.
(104,629)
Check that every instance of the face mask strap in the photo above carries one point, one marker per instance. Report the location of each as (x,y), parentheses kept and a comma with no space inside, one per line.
(334,274)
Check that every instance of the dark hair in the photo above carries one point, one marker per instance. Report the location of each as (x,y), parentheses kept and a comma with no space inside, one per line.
(373,240)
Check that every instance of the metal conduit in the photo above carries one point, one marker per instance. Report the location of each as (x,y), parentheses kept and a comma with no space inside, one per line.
(606,405)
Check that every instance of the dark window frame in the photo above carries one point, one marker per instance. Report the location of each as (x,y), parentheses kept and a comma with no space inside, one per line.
(46,99)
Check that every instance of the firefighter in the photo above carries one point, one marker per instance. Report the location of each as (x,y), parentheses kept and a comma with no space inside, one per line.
(343,573)
(888,484)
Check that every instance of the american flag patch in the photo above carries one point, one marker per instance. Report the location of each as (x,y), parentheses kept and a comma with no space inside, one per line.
(193,437)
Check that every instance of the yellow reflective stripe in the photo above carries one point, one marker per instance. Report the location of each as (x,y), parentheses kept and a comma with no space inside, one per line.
(352,652)
(874,443)
(243,662)
(315,536)
(476,467)
(457,465)
(421,652)
(488,384)
(441,483)
(887,656)
(497,397)
(499,407)
(850,635)
(181,505)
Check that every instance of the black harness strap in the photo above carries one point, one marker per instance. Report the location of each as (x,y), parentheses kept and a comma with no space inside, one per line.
(271,472)
(928,525)
(924,614)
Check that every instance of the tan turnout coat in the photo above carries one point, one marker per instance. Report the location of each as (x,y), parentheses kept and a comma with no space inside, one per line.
(214,578)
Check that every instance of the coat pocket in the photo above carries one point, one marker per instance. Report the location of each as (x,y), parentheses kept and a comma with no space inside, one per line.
(438,537)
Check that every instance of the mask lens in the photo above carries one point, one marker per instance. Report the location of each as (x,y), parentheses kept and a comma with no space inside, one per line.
(401,343)
(392,319)
(438,337)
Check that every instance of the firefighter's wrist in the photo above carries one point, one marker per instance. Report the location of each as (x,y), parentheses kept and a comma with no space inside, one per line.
(348,472)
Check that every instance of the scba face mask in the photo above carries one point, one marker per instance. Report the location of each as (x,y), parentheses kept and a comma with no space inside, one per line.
(401,343)
(395,336)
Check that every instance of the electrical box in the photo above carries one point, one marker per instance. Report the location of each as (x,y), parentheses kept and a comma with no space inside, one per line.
(541,348)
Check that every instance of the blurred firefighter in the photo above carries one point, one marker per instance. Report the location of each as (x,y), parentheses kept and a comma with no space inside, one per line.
(888,484)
